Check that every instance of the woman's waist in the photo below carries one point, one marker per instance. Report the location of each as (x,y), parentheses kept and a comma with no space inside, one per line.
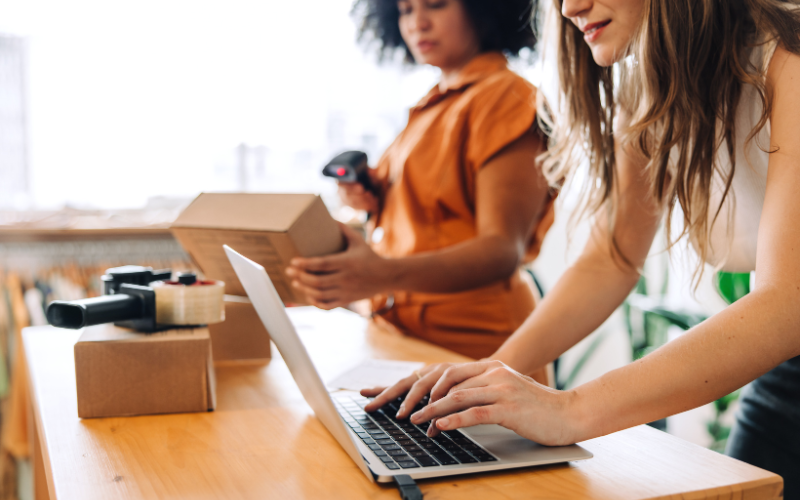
(498,291)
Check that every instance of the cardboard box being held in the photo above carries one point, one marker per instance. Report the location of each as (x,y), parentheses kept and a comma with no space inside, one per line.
(267,228)
(120,372)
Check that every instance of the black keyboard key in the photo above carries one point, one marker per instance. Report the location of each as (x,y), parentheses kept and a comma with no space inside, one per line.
(378,434)
(388,447)
(408,464)
(374,447)
(404,442)
(484,457)
(397,453)
(465,458)
(394,431)
(386,459)
(363,435)
(379,453)
(417,454)
(368,441)
(448,460)
(427,462)
(392,466)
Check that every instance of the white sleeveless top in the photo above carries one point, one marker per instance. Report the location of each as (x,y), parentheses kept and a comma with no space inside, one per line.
(734,236)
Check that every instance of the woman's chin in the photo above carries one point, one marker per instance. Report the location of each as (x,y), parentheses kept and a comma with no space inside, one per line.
(605,56)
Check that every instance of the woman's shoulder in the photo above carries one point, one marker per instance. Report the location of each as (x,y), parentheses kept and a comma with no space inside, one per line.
(503,86)
(781,59)
(504,79)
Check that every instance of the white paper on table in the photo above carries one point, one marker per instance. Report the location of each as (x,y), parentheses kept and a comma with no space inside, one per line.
(374,373)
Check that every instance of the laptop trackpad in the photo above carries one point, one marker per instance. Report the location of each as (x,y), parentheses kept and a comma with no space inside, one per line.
(510,447)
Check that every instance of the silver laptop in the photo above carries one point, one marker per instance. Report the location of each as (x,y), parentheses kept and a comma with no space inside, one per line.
(381,445)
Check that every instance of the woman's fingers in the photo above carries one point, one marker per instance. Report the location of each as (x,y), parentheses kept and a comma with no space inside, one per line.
(315,264)
(372,392)
(454,402)
(354,195)
(473,416)
(391,393)
(317,281)
(459,373)
(413,387)
(419,390)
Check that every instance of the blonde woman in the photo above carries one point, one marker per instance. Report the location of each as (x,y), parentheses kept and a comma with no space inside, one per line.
(673,102)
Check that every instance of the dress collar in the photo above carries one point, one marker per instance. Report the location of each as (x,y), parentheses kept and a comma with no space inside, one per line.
(480,67)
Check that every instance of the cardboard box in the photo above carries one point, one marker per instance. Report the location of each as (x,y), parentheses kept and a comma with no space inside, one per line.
(270,229)
(120,372)
(241,338)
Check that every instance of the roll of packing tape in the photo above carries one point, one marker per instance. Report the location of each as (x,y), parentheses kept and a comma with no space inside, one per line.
(200,303)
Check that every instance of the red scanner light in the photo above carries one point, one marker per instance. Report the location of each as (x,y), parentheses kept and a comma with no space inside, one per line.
(341,171)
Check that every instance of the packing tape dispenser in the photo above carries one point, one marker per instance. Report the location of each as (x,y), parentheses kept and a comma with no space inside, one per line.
(139,298)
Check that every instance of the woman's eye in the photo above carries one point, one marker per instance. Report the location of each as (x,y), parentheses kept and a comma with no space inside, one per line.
(404,9)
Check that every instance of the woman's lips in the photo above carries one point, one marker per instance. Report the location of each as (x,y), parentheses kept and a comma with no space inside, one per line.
(593,31)
(425,46)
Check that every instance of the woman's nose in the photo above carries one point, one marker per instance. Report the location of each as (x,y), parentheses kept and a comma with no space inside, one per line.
(573,8)
(419,20)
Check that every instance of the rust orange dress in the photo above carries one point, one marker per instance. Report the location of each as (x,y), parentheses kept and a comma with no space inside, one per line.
(427,181)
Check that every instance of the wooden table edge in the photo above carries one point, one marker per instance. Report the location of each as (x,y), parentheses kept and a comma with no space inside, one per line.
(39,449)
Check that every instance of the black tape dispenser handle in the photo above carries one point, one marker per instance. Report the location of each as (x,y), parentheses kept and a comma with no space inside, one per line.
(350,166)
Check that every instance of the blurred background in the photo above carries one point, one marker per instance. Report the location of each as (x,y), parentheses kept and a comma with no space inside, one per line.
(114,115)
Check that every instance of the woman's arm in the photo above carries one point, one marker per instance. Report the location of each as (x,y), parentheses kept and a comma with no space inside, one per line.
(721,354)
(583,298)
(510,196)
(599,281)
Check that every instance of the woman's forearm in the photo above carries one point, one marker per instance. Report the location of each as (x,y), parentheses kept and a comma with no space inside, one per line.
(581,301)
(713,359)
(472,264)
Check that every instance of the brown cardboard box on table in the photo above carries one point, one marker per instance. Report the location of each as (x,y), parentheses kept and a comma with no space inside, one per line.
(241,338)
(120,372)
(268,228)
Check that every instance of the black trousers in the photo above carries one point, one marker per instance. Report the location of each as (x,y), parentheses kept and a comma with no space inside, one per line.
(767,429)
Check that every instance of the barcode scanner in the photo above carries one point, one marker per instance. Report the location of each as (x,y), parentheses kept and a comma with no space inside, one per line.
(350,167)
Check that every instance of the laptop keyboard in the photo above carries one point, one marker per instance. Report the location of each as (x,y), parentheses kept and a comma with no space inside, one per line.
(401,444)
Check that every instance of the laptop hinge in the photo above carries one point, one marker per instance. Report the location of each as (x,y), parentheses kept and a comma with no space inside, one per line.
(408,488)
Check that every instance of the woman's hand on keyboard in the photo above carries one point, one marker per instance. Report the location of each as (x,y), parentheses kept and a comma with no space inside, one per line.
(416,387)
(489,392)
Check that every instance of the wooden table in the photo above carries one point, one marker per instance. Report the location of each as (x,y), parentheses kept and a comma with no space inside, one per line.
(263,441)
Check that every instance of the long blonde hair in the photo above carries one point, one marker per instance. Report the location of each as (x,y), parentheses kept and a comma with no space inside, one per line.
(680,84)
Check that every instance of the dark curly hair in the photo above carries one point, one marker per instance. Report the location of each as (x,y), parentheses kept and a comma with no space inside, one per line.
(507,26)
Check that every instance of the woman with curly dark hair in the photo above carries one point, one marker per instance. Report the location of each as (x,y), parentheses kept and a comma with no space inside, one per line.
(460,203)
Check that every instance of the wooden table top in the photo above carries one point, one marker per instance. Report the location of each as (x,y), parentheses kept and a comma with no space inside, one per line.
(263,440)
